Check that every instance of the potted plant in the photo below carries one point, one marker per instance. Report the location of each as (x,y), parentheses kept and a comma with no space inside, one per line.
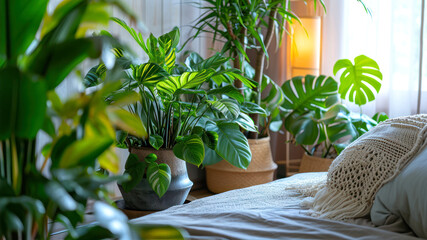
(30,70)
(250,26)
(182,119)
(318,121)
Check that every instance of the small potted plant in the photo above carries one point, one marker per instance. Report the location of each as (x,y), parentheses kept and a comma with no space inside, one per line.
(183,120)
(318,121)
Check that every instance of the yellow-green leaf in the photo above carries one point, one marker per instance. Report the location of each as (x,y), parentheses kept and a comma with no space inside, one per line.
(127,121)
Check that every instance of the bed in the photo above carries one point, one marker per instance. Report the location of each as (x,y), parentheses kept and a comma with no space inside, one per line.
(269,211)
(381,176)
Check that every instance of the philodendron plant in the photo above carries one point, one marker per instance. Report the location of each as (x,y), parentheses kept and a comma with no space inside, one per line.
(316,118)
(176,110)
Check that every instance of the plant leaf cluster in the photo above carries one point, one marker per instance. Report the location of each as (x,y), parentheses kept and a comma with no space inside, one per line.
(315,117)
(81,129)
(175,106)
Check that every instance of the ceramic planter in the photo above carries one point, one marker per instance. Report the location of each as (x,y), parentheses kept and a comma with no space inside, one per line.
(142,197)
(223,176)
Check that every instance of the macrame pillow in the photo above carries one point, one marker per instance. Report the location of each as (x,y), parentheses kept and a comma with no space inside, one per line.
(362,168)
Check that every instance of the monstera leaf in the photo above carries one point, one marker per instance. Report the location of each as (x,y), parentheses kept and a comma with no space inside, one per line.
(308,93)
(358,81)
(306,128)
(186,80)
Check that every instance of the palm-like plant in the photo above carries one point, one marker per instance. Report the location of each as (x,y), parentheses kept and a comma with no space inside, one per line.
(248,24)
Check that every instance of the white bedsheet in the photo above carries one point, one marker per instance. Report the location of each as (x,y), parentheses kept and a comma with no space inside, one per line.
(268,211)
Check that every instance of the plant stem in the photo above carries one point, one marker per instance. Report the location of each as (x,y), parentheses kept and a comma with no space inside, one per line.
(8,163)
(306,150)
(2,161)
(237,63)
(259,66)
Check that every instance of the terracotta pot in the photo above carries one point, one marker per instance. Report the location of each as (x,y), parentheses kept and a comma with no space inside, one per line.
(142,197)
(314,164)
(223,176)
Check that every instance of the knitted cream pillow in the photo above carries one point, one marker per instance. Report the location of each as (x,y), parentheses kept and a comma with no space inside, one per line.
(362,168)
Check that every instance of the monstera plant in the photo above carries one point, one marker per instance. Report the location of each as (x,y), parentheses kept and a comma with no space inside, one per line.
(315,117)
(178,113)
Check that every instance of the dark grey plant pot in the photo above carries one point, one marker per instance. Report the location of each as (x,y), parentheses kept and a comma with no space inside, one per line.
(143,198)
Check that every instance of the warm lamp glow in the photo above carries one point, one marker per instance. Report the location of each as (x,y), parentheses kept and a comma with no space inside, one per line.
(305,48)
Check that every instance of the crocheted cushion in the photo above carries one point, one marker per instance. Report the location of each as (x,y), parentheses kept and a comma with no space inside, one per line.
(405,197)
(362,168)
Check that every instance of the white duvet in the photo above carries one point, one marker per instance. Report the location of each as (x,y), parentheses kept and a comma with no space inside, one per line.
(268,211)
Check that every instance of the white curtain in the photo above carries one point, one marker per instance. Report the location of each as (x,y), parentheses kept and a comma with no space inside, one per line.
(391,37)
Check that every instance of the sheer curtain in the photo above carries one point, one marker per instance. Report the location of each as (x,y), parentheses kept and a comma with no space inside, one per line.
(391,37)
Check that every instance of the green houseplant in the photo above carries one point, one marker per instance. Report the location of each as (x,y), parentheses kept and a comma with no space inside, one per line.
(246,26)
(30,70)
(250,25)
(315,117)
(182,119)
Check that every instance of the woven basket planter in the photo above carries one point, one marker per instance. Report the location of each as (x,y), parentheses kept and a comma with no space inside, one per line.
(223,176)
(142,197)
(314,164)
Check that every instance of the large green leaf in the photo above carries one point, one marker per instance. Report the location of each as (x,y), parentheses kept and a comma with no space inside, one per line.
(55,62)
(136,36)
(159,177)
(229,107)
(24,104)
(186,80)
(339,123)
(228,90)
(232,144)
(358,81)
(190,149)
(196,63)
(156,141)
(136,169)
(127,121)
(95,75)
(148,73)
(306,128)
(246,122)
(211,157)
(309,93)
(85,151)
(275,96)
(112,219)
(60,196)
(161,232)
(19,22)
(250,107)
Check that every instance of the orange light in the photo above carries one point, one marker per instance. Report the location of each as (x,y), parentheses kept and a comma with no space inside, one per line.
(305,47)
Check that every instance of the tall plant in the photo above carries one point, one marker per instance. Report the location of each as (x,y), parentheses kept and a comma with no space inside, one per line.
(244,25)
(30,70)
(251,24)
